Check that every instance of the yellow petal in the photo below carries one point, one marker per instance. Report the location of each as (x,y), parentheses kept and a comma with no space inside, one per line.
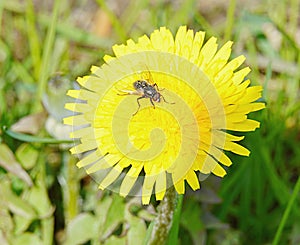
(244,126)
(239,76)
(84,95)
(83,132)
(148,188)
(234,64)
(160,185)
(145,43)
(236,117)
(236,148)
(179,39)
(119,50)
(192,179)
(179,186)
(220,59)
(86,146)
(197,44)
(77,120)
(108,58)
(225,160)
(247,108)
(104,163)
(89,159)
(78,107)
(209,164)
(207,52)
(219,171)
(252,94)
(111,177)
(167,44)
(129,180)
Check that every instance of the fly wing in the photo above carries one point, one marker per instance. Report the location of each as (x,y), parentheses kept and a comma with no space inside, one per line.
(129,92)
(147,76)
(125,89)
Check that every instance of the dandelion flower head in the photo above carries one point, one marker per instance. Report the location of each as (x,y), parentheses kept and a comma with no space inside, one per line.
(150,141)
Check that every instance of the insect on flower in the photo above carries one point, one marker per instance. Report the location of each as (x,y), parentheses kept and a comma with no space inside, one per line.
(145,89)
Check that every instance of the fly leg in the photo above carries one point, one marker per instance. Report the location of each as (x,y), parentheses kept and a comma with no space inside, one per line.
(152,102)
(167,101)
(155,85)
(137,100)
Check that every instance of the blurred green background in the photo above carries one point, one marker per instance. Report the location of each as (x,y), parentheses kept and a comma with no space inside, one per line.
(45,199)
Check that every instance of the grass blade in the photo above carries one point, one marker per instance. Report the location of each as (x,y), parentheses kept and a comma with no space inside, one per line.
(33,139)
(50,38)
(286,213)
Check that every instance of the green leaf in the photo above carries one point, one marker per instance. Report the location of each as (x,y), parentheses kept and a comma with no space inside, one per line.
(6,223)
(102,211)
(148,233)
(191,219)
(115,215)
(81,229)
(21,224)
(137,230)
(27,155)
(146,215)
(137,226)
(113,240)
(27,238)
(37,196)
(10,164)
(16,204)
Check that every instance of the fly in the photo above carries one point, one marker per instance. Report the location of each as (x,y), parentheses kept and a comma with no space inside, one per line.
(146,90)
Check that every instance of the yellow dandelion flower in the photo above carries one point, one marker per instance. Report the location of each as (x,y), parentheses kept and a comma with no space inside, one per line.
(158,113)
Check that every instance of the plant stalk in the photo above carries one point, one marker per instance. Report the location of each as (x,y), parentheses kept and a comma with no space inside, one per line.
(163,222)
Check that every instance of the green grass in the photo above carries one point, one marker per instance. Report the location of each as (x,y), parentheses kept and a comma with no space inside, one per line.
(259,195)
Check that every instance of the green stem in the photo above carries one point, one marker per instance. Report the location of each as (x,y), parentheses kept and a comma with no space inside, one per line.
(286,213)
(230,19)
(173,236)
(47,223)
(71,189)
(163,222)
